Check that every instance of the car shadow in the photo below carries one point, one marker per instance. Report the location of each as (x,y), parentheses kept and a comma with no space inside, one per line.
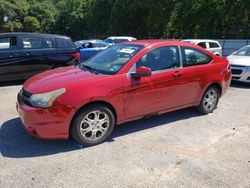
(235,84)
(16,143)
(12,83)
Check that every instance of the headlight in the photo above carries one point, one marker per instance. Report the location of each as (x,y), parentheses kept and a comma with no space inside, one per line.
(44,100)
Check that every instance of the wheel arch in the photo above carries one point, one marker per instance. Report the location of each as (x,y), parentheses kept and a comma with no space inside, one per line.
(218,86)
(215,84)
(100,102)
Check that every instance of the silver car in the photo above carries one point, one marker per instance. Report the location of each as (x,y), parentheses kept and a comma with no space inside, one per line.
(210,45)
(240,64)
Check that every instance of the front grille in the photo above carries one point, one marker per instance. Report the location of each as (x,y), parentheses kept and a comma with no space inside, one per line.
(235,78)
(24,96)
(236,71)
(240,66)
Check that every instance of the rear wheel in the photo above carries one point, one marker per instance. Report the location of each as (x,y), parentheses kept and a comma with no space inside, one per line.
(209,100)
(93,125)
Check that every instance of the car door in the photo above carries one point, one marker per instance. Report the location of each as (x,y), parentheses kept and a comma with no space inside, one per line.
(162,90)
(86,51)
(196,69)
(34,54)
(10,59)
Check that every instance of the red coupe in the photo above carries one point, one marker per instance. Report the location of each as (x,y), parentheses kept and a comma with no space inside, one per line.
(128,81)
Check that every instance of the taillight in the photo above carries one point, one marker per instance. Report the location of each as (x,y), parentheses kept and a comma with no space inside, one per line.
(75,55)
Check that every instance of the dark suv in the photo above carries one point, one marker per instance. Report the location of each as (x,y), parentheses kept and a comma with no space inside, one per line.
(23,55)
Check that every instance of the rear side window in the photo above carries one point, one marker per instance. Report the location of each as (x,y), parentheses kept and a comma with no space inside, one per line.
(213,45)
(8,43)
(30,42)
(202,44)
(64,43)
(49,43)
(192,57)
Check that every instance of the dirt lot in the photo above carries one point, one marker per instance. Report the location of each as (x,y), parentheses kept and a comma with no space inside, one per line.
(178,149)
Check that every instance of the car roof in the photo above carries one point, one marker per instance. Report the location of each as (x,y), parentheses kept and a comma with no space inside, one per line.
(91,40)
(33,34)
(199,40)
(120,37)
(161,42)
(155,42)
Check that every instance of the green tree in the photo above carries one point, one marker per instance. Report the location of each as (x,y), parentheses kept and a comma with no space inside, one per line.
(45,12)
(31,24)
(72,18)
(12,13)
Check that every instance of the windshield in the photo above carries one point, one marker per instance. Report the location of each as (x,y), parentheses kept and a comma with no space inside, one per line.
(79,43)
(115,40)
(108,40)
(111,60)
(245,51)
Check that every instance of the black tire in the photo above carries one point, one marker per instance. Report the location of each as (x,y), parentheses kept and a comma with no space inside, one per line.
(204,105)
(77,125)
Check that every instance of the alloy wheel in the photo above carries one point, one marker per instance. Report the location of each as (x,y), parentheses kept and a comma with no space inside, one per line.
(94,125)
(210,99)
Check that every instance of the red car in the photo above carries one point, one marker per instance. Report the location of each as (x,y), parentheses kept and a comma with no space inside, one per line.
(128,81)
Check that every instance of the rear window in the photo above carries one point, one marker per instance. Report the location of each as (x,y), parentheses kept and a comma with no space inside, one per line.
(64,43)
(213,45)
(8,43)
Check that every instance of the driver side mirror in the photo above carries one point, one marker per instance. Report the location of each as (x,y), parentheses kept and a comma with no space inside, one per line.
(141,72)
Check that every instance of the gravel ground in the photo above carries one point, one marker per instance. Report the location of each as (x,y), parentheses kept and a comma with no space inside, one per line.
(178,149)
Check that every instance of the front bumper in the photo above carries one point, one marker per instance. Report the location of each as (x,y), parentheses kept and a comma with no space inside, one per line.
(240,73)
(47,123)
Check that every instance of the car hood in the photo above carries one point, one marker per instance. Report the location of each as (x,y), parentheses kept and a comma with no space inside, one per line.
(56,79)
(239,60)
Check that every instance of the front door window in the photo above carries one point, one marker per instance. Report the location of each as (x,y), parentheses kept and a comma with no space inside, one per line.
(161,59)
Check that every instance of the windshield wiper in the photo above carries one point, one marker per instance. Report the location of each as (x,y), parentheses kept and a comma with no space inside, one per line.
(88,68)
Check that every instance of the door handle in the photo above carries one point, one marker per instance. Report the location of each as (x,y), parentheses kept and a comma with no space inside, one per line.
(177,74)
(28,53)
(11,55)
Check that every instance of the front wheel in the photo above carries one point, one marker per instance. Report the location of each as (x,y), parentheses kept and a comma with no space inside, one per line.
(209,100)
(93,125)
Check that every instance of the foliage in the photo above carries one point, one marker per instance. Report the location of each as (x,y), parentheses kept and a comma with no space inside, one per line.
(139,18)
(31,24)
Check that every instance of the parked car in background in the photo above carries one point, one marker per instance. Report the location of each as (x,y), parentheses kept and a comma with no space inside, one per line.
(125,82)
(240,64)
(23,55)
(88,48)
(117,39)
(210,45)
